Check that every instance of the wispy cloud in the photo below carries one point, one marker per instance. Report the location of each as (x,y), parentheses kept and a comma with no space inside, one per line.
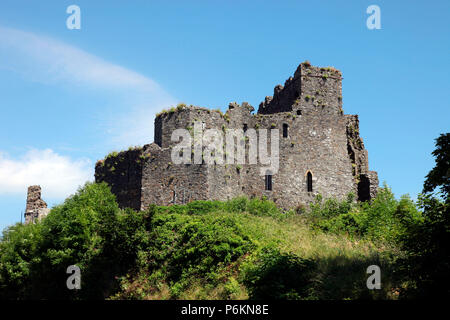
(48,60)
(59,176)
(43,59)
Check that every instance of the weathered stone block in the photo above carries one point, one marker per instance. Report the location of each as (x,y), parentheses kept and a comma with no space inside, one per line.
(36,208)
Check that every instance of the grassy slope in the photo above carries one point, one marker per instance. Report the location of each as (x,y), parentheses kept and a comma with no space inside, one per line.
(340,262)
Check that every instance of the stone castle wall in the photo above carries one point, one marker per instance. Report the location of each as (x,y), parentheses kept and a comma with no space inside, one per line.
(166,183)
(36,208)
(321,141)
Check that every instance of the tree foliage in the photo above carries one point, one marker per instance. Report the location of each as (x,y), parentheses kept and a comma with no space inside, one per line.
(87,230)
(439,176)
(427,264)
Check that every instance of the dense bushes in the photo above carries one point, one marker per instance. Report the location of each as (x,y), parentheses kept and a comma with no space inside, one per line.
(254,206)
(420,239)
(383,219)
(271,274)
(88,230)
(18,256)
(185,248)
(426,265)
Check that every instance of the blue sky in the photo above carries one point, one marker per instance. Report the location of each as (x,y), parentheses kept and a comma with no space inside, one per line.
(68,97)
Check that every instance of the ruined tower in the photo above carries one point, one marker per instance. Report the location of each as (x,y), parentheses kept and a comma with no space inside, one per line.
(36,207)
(320,151)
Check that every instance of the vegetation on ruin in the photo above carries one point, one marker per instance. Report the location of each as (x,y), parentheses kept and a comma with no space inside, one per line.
(112,154)
(237,249)
(179,107)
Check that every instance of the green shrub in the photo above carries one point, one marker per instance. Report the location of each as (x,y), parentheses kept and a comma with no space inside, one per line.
(87,230)
(275,275)
(426,264)
(262,207)
(238,204)
(232,288)
(329,208)
(382,219)
(202,206)
(19,253)
(186,247)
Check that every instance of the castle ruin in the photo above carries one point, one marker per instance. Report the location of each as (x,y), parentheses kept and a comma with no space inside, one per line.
(320,151)
(36,208)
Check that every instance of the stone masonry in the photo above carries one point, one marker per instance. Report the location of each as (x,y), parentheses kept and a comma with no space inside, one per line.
(322,152)
(36,207)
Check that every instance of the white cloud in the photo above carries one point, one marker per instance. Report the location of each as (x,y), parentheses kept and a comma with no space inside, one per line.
(43,59)
(48,60)
(59,176)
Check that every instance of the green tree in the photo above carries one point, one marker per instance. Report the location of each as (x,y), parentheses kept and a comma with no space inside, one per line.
(427,265)
(439,176)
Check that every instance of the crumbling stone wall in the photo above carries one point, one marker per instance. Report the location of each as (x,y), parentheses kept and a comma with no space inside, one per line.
(36,208)
(309,90)
(366,182)
(321,141)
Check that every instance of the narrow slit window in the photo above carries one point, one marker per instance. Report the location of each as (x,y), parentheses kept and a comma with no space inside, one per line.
(245,127)
(285,130)
(269,182)
(309,182)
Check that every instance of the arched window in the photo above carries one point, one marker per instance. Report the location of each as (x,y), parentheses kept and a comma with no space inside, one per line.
(285,130)
(245,127)
(268,181)
(309,181)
